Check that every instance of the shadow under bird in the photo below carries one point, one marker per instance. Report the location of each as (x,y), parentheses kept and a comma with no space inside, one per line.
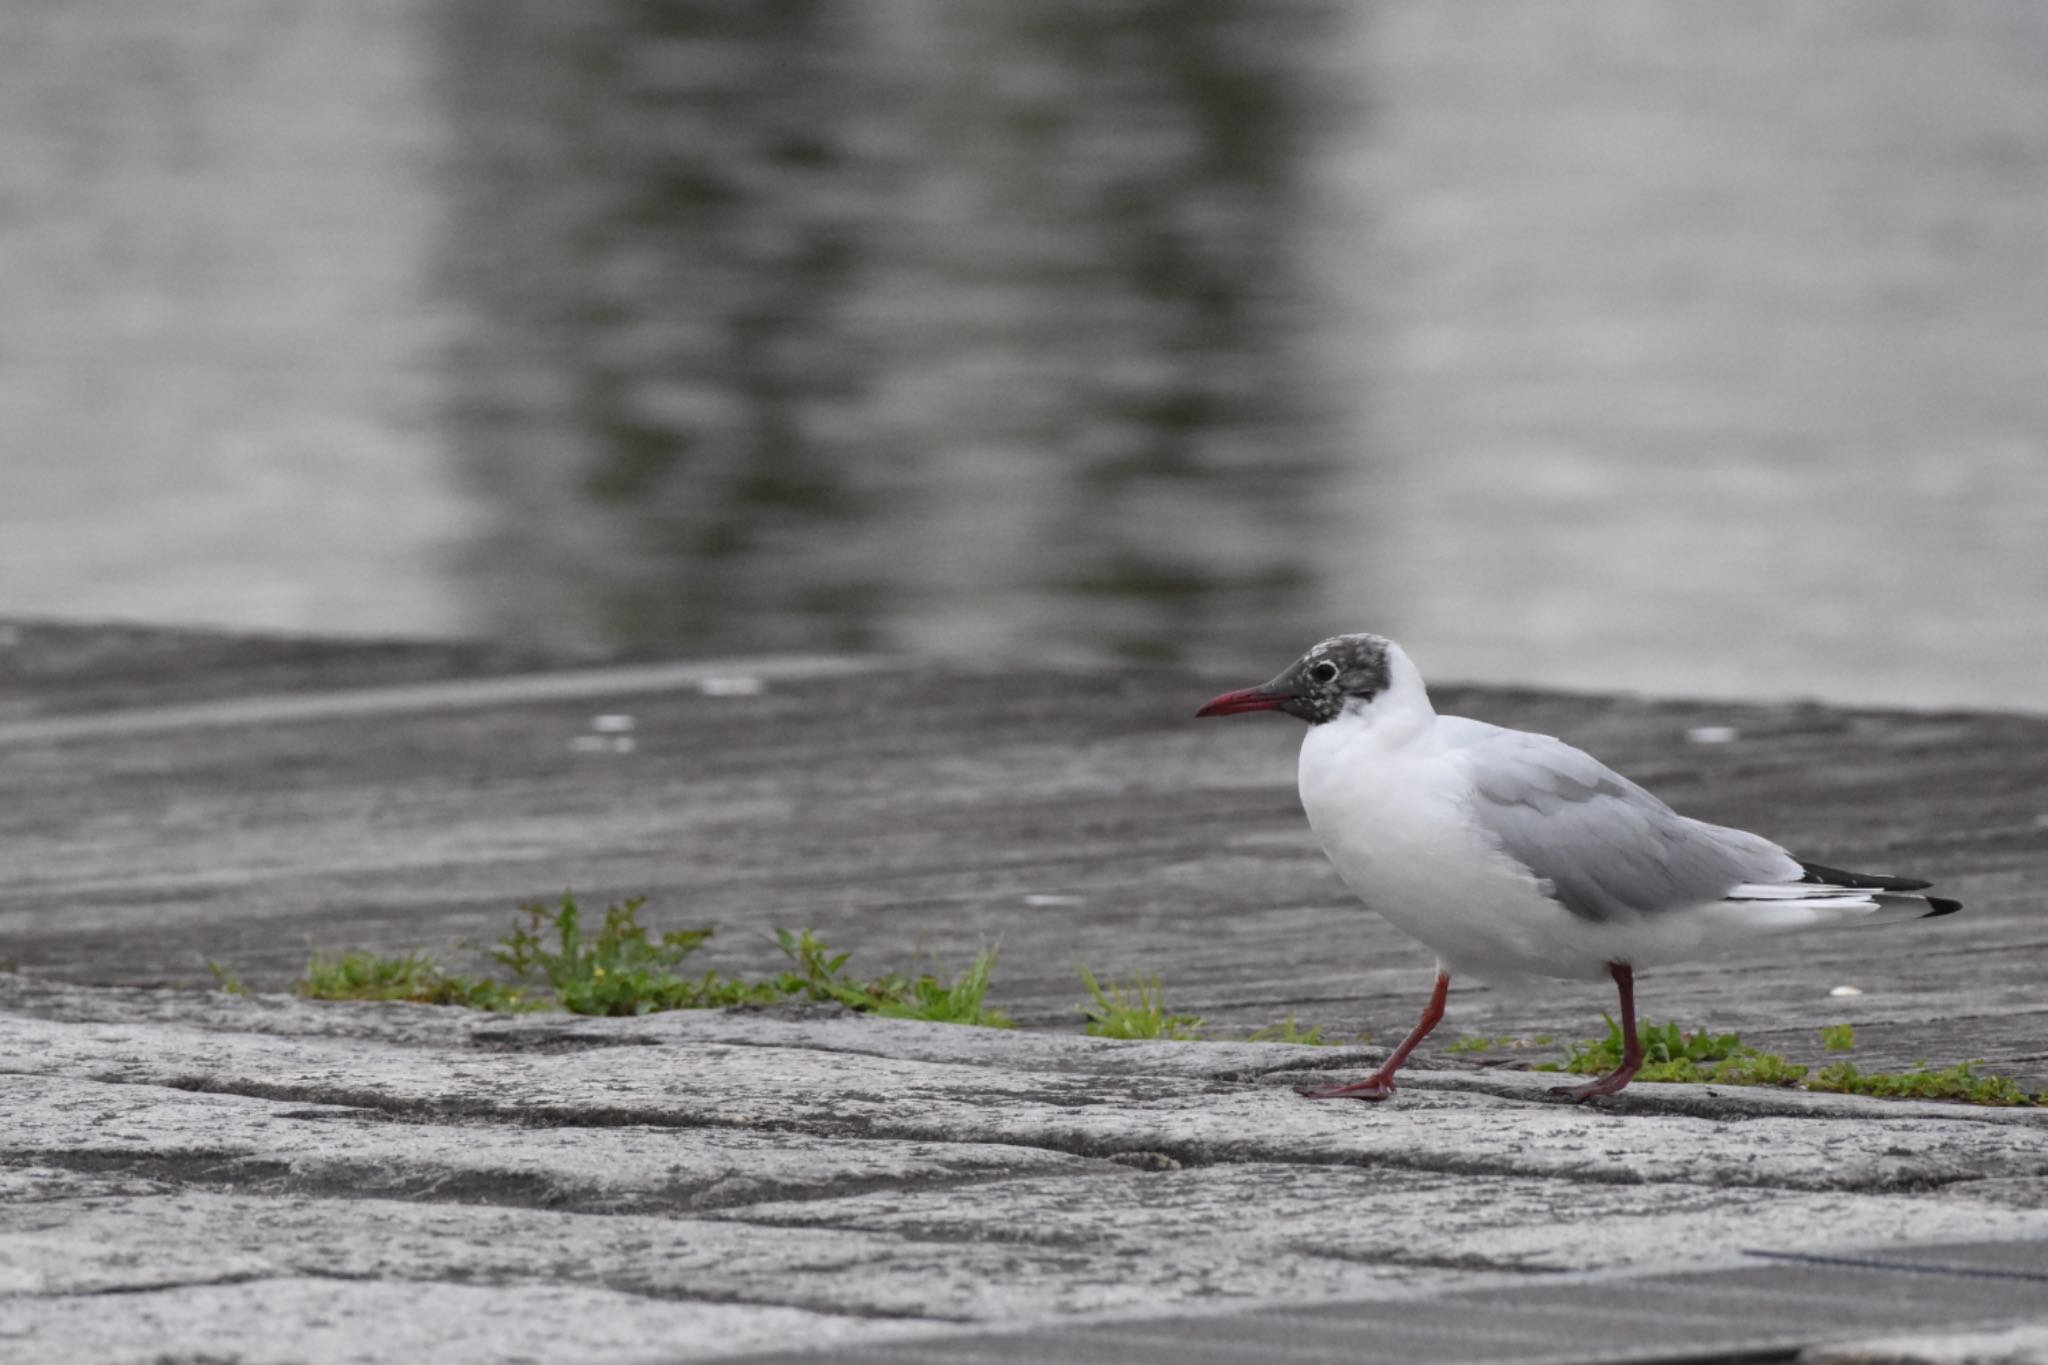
(1514,855)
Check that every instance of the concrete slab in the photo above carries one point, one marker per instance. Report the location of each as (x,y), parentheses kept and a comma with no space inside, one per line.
(903,807)
(187,1174)
(337,1322)
(237,1142)
(161,1148)
(2004,1346)
(1100,1112)
(1748,1313)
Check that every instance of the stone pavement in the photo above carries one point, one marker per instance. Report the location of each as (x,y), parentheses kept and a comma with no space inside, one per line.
(189,1175)
(202,1176)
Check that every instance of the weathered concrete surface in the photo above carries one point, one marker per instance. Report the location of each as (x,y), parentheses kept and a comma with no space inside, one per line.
(618,1186)
(187,1174)
(61,668)
(1764,1310)
(266,1317)
(898,807)
(2006,1346)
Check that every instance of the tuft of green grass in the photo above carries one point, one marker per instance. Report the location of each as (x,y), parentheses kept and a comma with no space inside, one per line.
(1670,1054)
(621,966)
(820,974)
(1287,1031)
(1959,1082)
(622,969)
(1136,1010)
(225,979)
(414,977)
(959,1001)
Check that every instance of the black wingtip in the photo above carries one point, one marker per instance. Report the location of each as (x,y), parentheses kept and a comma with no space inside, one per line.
(1872,881)
(1939,906)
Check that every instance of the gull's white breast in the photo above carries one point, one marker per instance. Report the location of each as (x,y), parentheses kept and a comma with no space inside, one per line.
(1391,808)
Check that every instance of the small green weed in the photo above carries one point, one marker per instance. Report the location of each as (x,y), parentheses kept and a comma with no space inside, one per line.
(960,1001)
(625,970)
(1670,1054)
(622,969)
(414,977)
(1137,1010)
(225,979)
(1959,1082)
(1287,1031)
(821,975)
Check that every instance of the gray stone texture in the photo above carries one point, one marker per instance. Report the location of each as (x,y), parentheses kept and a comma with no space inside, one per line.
(187,1174)
(2003,1346)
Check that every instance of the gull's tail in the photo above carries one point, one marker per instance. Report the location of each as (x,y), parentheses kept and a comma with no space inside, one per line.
(1828,895)
(1834,878)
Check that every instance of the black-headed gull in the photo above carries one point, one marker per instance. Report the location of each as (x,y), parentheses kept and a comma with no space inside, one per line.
(1514,855)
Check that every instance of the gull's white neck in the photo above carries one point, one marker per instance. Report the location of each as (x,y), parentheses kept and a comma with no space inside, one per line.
(1393,817)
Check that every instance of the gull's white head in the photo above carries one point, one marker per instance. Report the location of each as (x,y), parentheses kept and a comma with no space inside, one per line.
(1344,675)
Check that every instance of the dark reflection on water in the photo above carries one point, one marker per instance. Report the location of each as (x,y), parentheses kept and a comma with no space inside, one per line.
(907,325)
(1685,347)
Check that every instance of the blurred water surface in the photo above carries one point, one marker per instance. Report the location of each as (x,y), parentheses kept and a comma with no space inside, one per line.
(1688,348)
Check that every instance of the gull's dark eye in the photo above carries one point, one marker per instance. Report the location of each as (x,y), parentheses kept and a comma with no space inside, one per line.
(1324,672)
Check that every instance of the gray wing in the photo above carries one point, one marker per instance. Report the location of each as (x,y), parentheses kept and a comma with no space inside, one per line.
(1606,848)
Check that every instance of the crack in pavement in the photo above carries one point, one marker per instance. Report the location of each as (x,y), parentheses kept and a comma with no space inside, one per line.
(231,1173)
(570,1040)
(1728,1104)
(610,1284)
(1188,1153)
(1910,1267)
(1469,1264)
(206,1282)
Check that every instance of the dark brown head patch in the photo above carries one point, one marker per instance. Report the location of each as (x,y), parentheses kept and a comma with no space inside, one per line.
(1340,669)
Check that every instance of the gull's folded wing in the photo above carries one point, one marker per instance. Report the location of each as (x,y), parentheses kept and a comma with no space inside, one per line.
(1606,848)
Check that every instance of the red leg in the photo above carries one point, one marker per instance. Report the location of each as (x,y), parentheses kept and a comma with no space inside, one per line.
(1380,1085)
(1631,1046)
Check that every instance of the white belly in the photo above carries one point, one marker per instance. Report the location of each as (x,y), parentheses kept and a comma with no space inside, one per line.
(1392,818)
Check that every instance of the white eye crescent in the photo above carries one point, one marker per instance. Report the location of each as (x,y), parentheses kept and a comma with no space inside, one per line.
(1323,672)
